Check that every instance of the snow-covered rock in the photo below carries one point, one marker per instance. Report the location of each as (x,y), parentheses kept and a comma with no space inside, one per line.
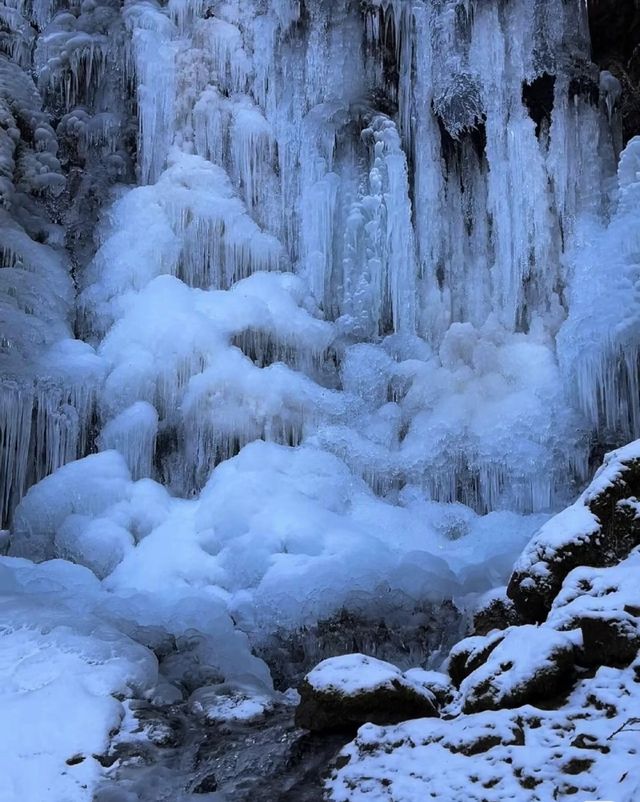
(529,664)
(601,527)
(344,692)
(470,653)
(495,610)
(544,711)
(605,604)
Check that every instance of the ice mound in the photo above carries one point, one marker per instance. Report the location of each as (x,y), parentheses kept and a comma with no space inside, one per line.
(279,537)
(598,344)
(62,667)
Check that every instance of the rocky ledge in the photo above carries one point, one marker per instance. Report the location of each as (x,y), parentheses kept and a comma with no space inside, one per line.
(541,703)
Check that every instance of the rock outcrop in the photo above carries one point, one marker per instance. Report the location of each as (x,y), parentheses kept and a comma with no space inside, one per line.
(598,530)
(545,709)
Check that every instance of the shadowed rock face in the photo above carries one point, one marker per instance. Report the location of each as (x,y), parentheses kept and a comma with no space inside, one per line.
(615,40)
(562,544)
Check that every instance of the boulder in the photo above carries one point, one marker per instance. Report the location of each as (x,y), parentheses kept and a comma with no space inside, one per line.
(470,654)
(342,693)
(601,528)
(604,603)
(495,611)
(529,664)
(610,640)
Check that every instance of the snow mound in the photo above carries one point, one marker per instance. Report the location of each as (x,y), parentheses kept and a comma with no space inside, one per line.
(61,669)
(355,674)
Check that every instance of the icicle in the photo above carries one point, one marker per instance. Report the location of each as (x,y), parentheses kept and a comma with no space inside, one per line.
(152,65)
(253,151)
(16,405)
(223,45)
(133,433)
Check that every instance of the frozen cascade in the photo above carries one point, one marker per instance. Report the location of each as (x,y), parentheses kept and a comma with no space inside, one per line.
(302,305)
(433,172)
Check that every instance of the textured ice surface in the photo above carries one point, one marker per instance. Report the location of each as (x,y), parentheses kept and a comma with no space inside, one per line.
(439,217)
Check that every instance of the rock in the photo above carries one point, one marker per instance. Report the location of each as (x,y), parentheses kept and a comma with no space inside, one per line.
(207,785)
(495,611)
(605,604)
(615,35)
(345,692)
(470,654)
(602,527)
(610,640)
(528,664)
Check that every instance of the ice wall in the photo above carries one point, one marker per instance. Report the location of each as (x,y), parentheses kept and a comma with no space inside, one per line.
(368,227)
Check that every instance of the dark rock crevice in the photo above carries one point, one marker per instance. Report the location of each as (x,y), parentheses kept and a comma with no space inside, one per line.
(615,41)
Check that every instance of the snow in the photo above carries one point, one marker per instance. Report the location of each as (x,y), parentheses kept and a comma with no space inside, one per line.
(583,749)
(598,592)
(61,668)
(355,674)
(523,652)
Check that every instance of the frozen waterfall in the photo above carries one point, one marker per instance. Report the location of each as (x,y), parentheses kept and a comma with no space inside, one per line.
(303,303)
(430,187)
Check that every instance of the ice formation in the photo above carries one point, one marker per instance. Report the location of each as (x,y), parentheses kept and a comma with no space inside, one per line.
(304,302)
(437,176)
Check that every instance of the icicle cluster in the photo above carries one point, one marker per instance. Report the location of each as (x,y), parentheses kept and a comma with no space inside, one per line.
(436,174)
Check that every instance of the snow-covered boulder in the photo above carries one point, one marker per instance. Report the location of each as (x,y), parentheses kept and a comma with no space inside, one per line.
(345,692)
(605,604)
(601,527)
(527,665)
(495,610)
(471,653)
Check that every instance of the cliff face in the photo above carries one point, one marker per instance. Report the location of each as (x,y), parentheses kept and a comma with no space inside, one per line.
(615,40)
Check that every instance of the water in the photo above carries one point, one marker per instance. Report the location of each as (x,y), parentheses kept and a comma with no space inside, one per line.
(180,757)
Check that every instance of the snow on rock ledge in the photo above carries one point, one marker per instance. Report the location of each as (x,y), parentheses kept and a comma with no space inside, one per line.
(517,729)
(602,526)
(346,691)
